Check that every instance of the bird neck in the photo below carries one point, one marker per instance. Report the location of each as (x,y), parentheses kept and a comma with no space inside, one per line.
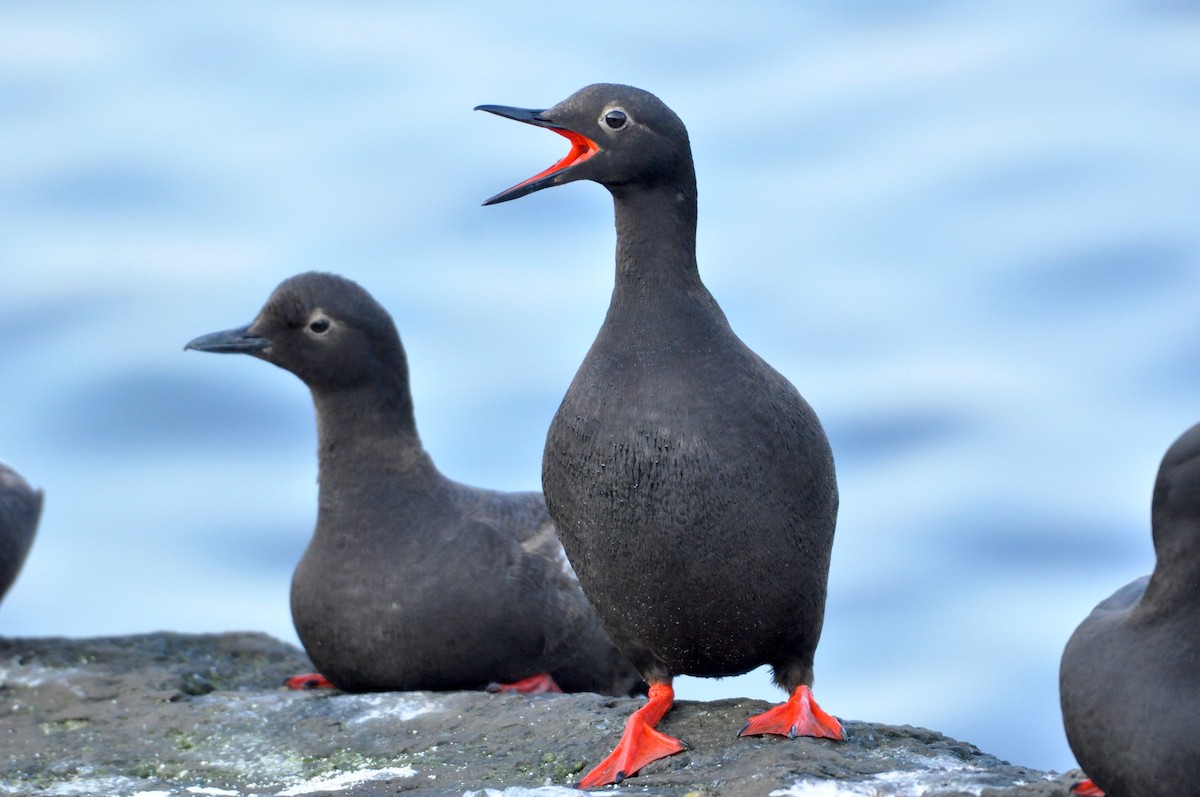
(656,239)
(1176,578)
(366,428)
(372,470)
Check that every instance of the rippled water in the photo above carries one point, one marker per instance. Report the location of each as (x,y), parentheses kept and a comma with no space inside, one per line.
(967,233)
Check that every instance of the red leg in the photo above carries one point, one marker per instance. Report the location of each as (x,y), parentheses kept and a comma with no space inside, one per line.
(539,684)
(799,716)
(1086,788)
(309,680)
(640,743)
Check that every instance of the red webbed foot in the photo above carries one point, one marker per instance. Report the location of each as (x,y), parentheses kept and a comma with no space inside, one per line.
(539,684)
(640,743)
(799,716)
(1087,788)
(309,680)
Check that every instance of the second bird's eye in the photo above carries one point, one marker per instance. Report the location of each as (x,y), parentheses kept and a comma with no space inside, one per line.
(616,118)
(319,326)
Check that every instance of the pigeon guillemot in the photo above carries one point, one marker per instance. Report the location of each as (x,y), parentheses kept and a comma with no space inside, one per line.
(1129,681)
(411,580)
(20,509)
(692,486)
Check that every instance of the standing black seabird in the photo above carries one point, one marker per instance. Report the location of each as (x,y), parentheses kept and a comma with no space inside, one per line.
(411,580)
(692,486)
(20,509)
(1130,675)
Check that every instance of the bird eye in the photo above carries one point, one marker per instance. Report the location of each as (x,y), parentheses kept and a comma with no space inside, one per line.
(319,326)
(616,118)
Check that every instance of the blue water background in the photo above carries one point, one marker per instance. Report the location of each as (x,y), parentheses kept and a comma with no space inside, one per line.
(969,233)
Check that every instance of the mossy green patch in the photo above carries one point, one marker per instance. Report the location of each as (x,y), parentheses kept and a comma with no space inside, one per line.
(59,726)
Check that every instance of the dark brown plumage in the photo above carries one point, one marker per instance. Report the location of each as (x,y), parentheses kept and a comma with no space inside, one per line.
(412,580)
(1129,681)
(20,510)
(691,484)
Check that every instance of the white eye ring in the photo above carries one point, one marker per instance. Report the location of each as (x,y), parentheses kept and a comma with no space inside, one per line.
(319,324)
(615,118)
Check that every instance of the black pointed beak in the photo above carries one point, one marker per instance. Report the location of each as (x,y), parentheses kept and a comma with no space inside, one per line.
(529,116)
(230,341)
(582,148)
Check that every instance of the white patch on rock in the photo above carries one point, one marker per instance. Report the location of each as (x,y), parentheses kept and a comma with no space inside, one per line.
(824,788)
(345,780)
(387,707)
(537,791)
(30,677)
(83,786)
(212,790)
(934,775)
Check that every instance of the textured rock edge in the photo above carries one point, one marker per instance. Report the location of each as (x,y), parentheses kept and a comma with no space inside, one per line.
(165,713)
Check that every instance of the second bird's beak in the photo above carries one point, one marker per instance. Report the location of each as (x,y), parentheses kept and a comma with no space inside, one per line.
(230,341)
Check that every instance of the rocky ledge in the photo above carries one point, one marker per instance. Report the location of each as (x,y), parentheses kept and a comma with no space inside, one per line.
(172,714)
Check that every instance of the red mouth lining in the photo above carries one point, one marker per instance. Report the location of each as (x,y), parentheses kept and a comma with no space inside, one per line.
(582,148)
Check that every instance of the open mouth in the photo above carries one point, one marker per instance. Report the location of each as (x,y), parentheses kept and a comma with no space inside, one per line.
(582,148)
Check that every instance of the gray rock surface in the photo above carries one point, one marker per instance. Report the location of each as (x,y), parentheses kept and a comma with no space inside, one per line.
(172,714)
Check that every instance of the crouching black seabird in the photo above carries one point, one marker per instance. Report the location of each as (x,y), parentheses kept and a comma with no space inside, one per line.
(1129,682)
(692,486)
(20,510)
(411,580)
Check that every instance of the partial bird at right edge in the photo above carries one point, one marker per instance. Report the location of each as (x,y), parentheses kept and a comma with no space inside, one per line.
(20,510)
(691,484)
(1129,681)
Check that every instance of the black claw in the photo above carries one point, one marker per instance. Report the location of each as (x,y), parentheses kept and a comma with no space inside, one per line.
(620,776)
(744,727)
